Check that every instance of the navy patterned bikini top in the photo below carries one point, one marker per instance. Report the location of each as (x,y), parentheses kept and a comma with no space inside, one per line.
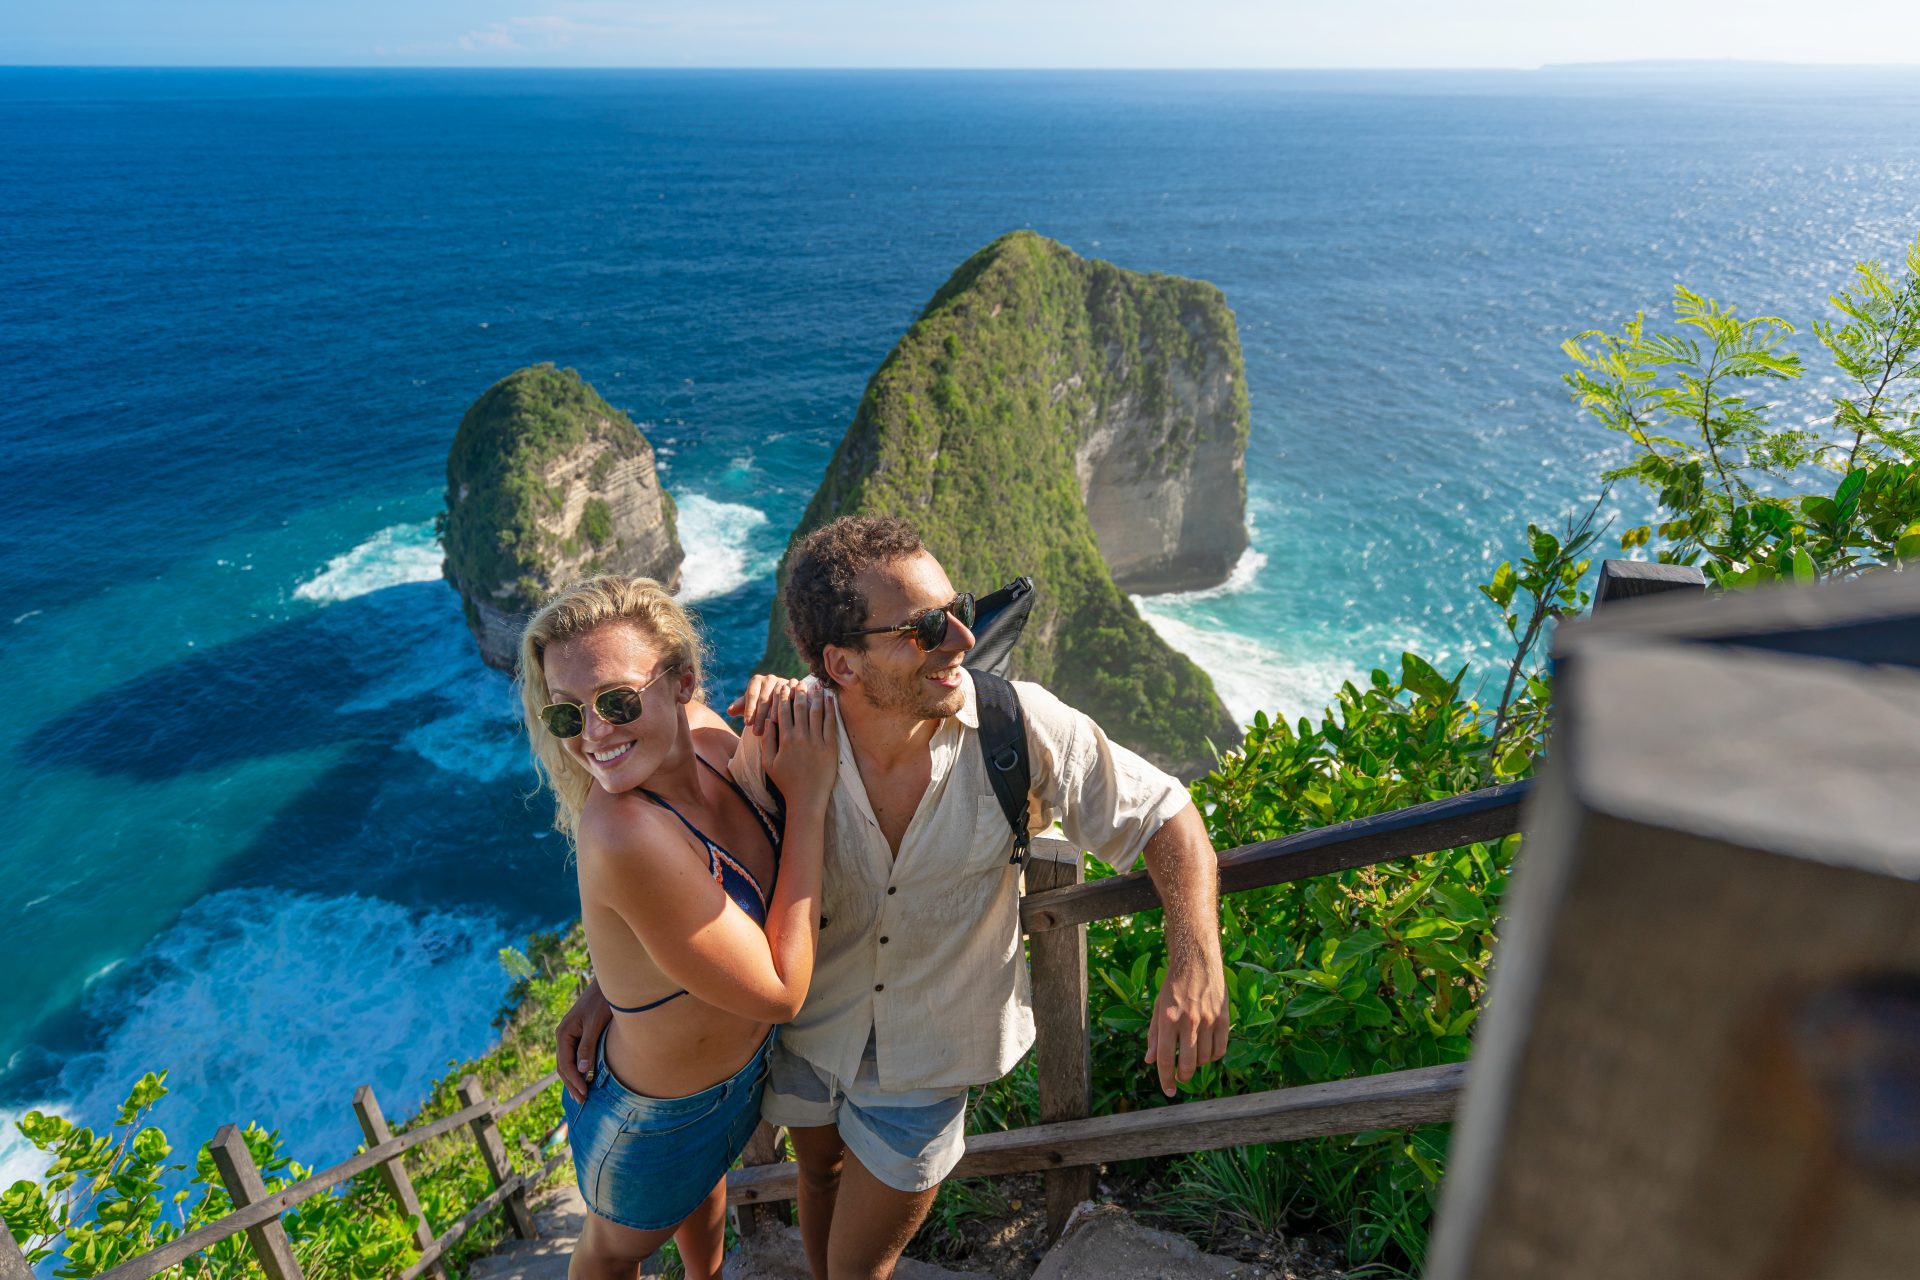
(724,867)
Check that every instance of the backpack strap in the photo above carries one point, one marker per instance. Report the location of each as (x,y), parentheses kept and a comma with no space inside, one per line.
(1003,744)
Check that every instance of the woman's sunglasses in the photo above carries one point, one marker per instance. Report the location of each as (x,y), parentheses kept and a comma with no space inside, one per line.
(929,626)
(619,705)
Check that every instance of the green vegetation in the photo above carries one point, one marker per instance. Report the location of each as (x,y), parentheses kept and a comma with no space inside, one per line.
(970,427)
(1383,968)
(103,1198)
(497,495)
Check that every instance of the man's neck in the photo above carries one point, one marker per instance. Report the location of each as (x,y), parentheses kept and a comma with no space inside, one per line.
(884,738)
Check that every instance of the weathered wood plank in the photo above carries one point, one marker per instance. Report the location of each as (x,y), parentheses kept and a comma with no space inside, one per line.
(241,1177)
(493,1152)
(764,1147)
(1488,814)
(13,1263)
(1392,1100)
(155,1261)
(1701,1055)
(1061,1024)
(392,1173)
(436,1249)
(1631,579)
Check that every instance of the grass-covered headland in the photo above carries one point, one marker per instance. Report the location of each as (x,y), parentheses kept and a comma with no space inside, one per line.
(970,429)
(1364,971)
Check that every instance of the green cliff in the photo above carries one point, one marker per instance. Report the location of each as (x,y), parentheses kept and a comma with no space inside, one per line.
(547,482)
(1036,388)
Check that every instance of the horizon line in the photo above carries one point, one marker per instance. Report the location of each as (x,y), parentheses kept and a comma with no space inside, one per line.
(1636,64)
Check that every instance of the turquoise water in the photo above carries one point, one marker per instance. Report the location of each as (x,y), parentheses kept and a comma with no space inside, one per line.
(266,816)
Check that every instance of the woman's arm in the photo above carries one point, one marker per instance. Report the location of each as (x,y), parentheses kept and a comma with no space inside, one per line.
(679,913)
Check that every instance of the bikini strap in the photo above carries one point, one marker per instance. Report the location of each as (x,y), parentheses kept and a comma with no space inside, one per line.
(773,837)
(713,865)
(642,1008)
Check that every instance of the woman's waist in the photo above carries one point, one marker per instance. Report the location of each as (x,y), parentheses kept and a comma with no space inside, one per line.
(667,1055)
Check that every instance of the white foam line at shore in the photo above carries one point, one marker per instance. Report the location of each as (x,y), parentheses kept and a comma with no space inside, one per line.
(718,539)
(395,555)
(1248,675)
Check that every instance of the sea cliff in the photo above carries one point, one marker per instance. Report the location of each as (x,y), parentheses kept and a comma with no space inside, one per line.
(1060,417)
(546,483)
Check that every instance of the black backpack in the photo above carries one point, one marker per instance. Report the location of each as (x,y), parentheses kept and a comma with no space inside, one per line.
(999,617)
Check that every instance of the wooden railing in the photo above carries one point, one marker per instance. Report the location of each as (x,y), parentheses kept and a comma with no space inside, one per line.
(1070,1142)
(258,1213)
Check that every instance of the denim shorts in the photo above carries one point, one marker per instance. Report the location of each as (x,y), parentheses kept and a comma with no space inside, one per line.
(647,1163)
(909,1139)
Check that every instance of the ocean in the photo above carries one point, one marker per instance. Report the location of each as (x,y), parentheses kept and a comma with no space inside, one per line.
(267,818)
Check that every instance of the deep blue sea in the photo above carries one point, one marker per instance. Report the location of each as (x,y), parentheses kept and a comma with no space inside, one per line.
(263,815)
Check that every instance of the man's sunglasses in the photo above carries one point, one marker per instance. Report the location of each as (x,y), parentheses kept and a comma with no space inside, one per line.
(929,626)
(619,705)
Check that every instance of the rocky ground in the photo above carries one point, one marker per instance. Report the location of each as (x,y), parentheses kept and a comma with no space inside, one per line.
(1101,1242)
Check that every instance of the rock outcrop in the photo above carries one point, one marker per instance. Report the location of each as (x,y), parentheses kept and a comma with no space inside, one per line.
(1059,417)
(546,483)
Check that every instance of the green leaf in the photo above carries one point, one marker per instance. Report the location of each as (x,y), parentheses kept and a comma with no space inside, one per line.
(1803,570)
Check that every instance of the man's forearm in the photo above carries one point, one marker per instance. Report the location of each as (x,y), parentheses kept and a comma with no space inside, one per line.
(1186,873)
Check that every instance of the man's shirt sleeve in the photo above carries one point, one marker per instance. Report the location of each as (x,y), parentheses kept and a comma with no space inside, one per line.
(1108,800)
(750,771)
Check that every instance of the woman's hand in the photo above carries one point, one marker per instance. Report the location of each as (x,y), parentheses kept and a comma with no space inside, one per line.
(802,744)
(762,692)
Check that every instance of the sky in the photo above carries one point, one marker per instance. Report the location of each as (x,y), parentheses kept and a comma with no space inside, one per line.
(951,33)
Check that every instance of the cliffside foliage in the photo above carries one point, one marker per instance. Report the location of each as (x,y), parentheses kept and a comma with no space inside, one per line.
(1383,968)
(497,492)
(110,1196)
(970,427)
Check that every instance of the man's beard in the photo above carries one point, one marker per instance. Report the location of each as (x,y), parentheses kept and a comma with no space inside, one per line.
(887,691)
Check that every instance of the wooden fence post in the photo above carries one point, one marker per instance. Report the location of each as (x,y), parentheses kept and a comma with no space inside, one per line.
(241,1177)
(13,1262)
(393,1173)
(494,1152)
(1064,1057)
(762,1148)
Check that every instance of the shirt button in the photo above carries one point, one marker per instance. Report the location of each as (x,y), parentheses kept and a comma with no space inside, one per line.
(879,986)
(891,890)
(883,940)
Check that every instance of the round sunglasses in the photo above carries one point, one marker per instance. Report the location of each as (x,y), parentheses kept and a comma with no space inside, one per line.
(929,626)
(619,705)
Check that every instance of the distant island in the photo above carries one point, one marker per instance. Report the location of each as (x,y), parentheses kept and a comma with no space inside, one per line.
(546,483)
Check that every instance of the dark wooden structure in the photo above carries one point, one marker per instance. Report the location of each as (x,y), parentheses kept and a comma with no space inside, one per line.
(257,1214)
(1701,1056)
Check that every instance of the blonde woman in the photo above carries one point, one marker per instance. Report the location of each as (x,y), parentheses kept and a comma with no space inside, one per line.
(701,919)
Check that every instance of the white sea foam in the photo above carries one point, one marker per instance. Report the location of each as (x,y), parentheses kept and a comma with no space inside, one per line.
(273,1006)
(1248,674)
(402,553)
(1245,572)
(480,738)
(718,537)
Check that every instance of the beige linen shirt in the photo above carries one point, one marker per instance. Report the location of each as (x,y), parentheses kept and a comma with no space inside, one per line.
(923,949)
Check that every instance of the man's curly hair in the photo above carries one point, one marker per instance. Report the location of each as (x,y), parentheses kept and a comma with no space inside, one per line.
(822,603)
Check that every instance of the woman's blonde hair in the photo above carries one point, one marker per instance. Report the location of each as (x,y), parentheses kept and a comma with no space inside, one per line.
(572,612)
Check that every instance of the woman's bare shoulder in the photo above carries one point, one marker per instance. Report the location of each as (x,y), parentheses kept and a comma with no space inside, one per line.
(627,829)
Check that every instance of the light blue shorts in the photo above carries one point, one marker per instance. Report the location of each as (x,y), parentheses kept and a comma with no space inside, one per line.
(909,1139)
(647,1163)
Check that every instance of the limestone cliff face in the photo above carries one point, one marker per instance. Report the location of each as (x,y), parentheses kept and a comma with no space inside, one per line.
(546,483)
(1162,466)
(1055,416)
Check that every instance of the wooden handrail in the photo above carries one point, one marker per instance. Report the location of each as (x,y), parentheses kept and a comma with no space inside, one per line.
(1422,828)
(177,1251)
(1390,1100)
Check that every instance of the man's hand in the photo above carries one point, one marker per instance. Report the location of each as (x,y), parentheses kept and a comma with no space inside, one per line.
(1190,1019)
(579,1040)
(1190,1015)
